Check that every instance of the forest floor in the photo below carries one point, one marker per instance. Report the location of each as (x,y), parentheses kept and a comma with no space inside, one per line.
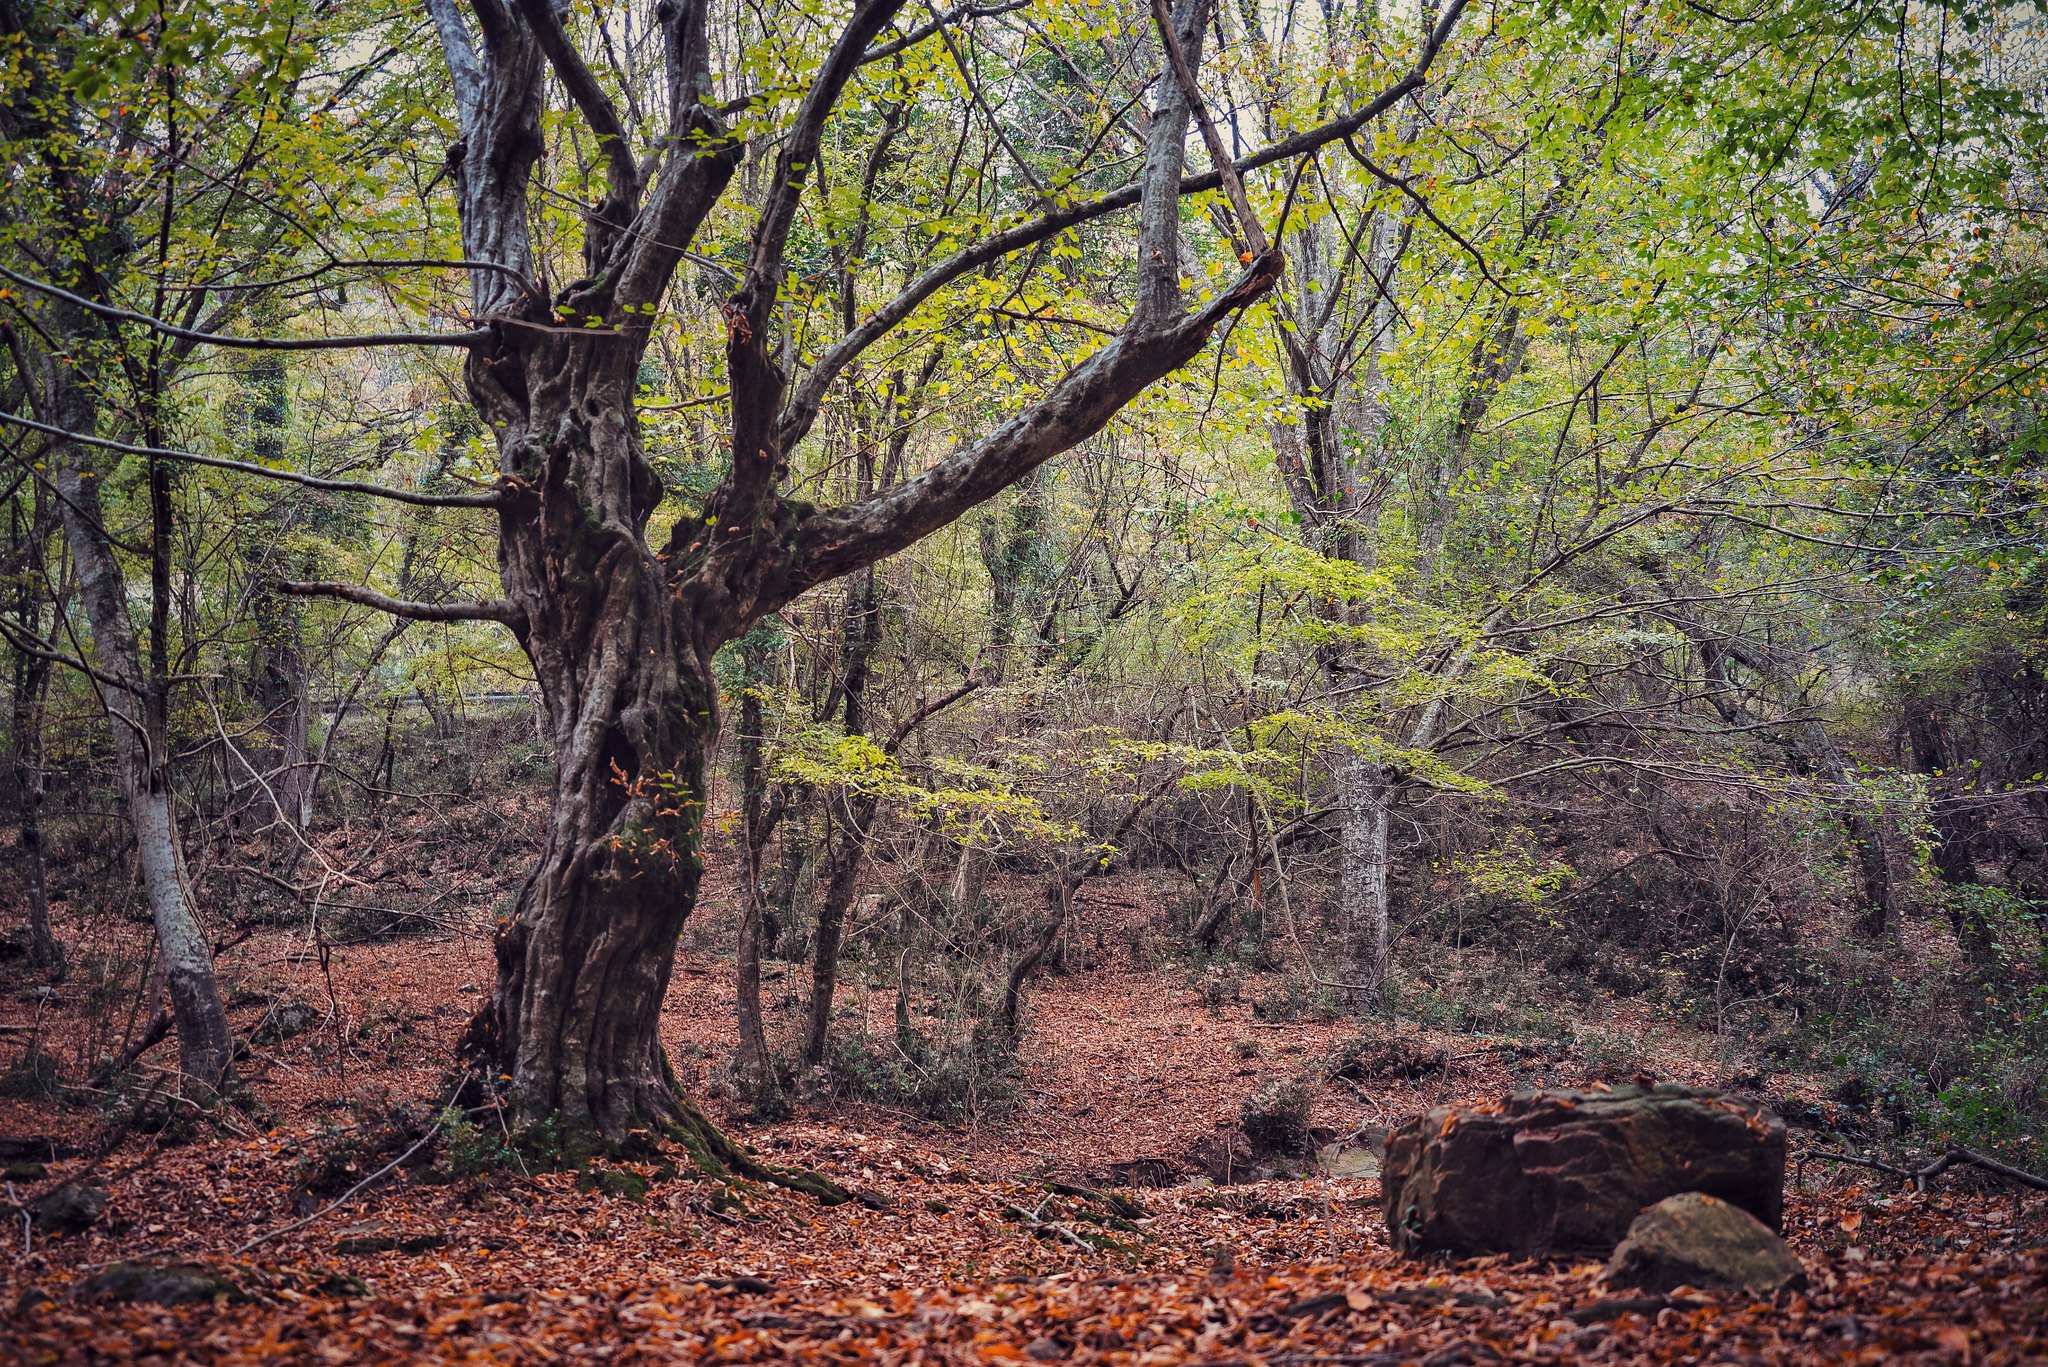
(978,1242)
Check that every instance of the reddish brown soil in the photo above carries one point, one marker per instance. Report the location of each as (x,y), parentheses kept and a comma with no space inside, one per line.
(1122,1063)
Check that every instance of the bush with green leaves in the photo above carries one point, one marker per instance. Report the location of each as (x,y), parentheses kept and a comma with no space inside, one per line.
(951,1073)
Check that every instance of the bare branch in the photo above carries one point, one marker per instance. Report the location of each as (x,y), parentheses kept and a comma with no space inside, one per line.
(1403,184)
(496,610)
(1926,1173)
(883,51)
(451,339)
(339,486)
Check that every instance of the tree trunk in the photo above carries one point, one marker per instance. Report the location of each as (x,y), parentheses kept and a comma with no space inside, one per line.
(286,704)
(1363,909)
(584,963)
(25,734)
(970,874)
(755,1070)
(833,903)
(1059,896)
(205,1044)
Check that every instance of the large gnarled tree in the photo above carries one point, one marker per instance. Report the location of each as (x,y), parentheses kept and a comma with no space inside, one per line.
(620,618)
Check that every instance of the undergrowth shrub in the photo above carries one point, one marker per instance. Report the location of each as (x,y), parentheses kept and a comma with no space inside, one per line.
(1375,1057)
(950,1073)
(1275,1117)
(1937,1046)
(1298,1000)
(33,1076)
(471,1150)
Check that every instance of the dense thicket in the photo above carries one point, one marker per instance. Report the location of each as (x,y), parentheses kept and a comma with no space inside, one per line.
(1560,514)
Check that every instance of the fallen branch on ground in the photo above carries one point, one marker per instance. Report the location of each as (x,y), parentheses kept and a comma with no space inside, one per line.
(1921,1176)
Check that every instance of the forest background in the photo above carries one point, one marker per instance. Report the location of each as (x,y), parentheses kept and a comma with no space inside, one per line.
(1591,547)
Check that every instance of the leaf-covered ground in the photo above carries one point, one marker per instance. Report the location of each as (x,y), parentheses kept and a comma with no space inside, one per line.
(987,1242)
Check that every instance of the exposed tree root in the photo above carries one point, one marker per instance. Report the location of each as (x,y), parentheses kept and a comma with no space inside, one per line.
(717,1154)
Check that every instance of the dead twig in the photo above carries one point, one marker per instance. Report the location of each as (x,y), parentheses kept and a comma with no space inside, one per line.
(432,1132)
(1955,1156)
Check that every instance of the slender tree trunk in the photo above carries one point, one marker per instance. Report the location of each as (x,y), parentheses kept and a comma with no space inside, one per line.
(848,857)
(25,733)
(755,1069)
(1363,902)
(205,1044)
(970,874)
(286,704)
(834,902)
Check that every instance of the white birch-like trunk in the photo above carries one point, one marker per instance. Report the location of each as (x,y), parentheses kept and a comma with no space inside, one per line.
(1363,905)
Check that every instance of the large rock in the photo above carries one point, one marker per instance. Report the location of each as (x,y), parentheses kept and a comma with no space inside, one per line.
(1567,1172)
(69,1208)
(1693,1239)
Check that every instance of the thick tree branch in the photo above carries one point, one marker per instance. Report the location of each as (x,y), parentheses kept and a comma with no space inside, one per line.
(496,610)
(499,97)
(1252,235)
(1158,339)
(1166,154)
(809,395)
(598,111)
(757,381)
(468,77)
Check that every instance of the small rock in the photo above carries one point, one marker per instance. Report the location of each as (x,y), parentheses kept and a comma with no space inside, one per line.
(69,1208)
(1698,1240)
(1348,1160)
(159,1283)
(1044,1350)
(285,1020)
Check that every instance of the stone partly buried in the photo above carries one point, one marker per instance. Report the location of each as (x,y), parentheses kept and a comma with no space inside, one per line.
(1693,1239)
(1568,1172)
